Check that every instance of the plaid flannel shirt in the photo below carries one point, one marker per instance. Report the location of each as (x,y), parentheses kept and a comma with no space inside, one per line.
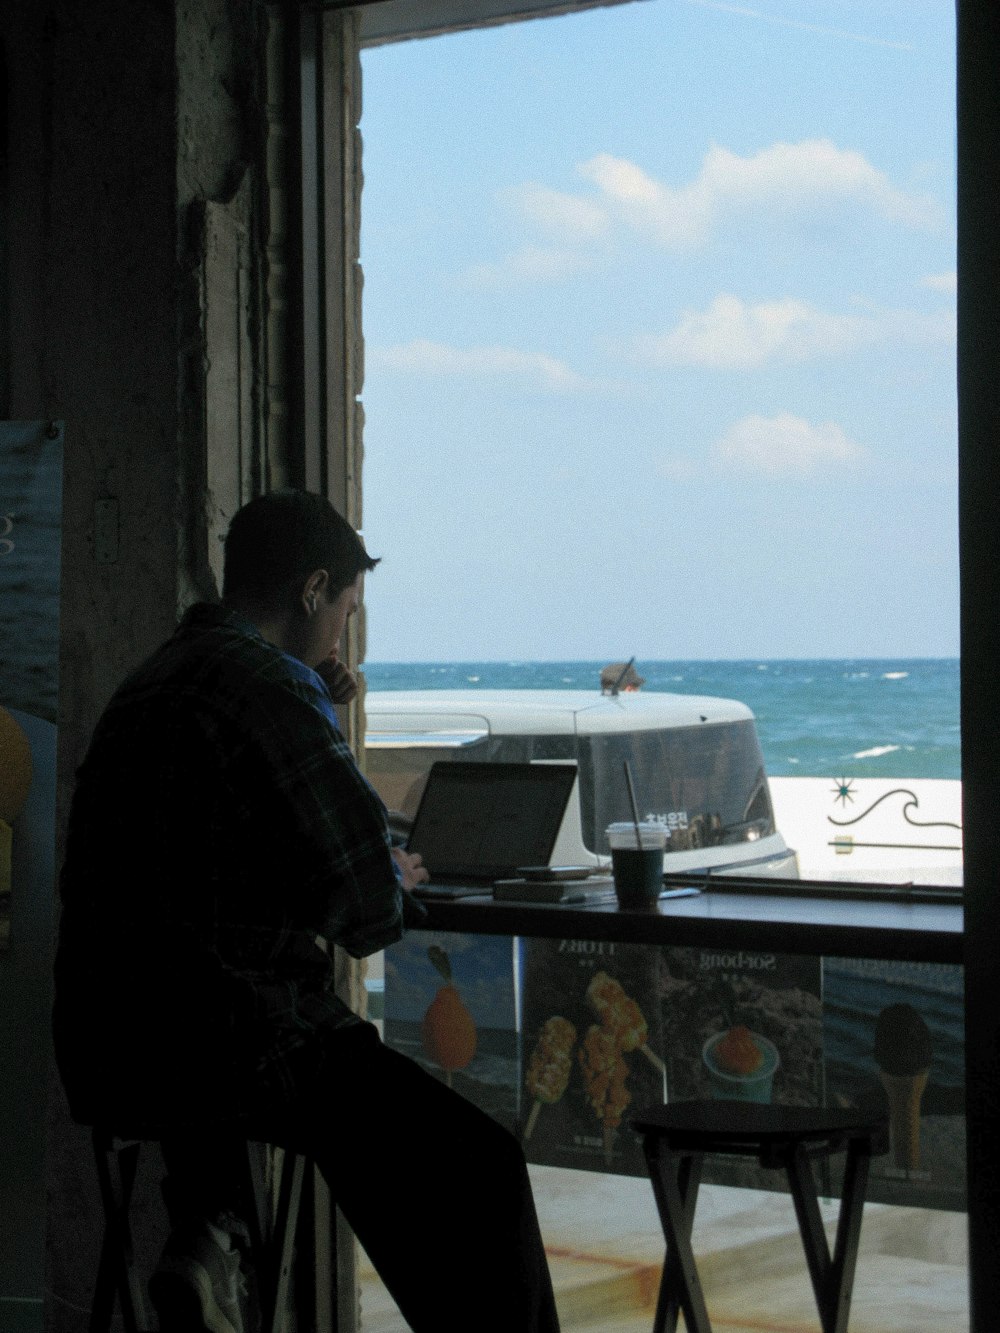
(219,826)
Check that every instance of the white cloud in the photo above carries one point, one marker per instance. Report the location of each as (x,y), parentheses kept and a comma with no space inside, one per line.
(733,335)
(941,282)
(812,172)
(675,218)
(423,357)
(795,178)
(785,445)
(565,214)
(529,264)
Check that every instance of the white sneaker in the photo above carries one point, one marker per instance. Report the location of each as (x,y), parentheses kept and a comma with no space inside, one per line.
(198,1286)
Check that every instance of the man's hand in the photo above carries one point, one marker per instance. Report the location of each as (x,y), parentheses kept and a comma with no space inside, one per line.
(338,680)
(412,866)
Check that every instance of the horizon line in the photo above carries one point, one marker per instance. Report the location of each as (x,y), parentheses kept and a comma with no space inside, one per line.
(591,661)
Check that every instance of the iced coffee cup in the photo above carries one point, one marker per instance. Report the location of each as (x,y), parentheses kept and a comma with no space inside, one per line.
(637,862)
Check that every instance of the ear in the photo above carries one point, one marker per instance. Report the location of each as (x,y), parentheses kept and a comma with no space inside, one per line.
(313,588)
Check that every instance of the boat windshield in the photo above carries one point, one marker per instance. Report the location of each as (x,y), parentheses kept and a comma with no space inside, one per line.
(705,784)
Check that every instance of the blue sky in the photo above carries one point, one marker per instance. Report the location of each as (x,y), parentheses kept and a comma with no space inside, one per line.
(659,311)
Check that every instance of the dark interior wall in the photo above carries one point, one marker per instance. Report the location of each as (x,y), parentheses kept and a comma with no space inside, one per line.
(109,341)
(89,288)
(24,971)
(126,120)
(979,491)
(25,157)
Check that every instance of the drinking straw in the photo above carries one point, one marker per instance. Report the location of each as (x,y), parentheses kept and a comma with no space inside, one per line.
(634,804)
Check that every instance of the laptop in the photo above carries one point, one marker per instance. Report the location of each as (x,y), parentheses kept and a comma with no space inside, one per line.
(477,822)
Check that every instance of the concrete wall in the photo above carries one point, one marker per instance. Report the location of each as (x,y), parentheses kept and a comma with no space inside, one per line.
(132,218)
(24,970)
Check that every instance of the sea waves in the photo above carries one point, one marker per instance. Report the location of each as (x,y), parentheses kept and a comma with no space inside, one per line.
(891,718)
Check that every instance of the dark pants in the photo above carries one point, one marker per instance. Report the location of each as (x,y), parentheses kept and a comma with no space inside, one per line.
(436,1192)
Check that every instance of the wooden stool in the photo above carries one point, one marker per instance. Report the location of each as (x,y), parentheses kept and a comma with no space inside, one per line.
(272,1240)
(677,1136)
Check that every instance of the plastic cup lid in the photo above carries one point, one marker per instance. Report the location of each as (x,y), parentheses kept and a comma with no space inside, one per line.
(651,834)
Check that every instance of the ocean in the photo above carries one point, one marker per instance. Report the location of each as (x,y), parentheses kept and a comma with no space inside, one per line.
(879,718)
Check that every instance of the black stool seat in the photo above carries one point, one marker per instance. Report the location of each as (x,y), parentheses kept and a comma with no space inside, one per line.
(751,1129)
(676,1138)
(272,1231)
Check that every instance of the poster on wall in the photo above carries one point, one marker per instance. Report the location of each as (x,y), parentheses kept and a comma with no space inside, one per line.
(894,1043)
(592,1052)
(746,1025)
(30,530)
(449,1005)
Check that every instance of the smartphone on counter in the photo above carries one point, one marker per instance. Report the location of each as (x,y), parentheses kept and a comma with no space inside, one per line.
(550,874)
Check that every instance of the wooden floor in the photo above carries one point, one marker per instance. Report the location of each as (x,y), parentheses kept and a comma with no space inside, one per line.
(605,1249)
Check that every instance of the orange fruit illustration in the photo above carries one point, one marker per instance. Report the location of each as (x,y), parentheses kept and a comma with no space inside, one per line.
(448,1029)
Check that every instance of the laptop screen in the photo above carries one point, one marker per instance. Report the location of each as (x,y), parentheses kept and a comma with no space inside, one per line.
(481,820)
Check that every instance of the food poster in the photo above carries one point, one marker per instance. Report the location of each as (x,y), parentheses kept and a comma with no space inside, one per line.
(894,1043)
(743,1025)
(592,1052)
(30,533)
(449,1005)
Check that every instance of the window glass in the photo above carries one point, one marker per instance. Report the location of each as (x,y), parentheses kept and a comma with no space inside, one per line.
(660,360)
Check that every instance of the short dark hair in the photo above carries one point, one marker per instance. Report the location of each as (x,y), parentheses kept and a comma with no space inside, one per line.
(276,541)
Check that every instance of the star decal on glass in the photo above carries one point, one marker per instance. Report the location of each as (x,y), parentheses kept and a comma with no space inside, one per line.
(844,790)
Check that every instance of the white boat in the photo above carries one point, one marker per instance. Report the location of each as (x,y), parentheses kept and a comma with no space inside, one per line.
(695,761)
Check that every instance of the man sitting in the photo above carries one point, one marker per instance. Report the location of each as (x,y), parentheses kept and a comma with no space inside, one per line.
(220,836)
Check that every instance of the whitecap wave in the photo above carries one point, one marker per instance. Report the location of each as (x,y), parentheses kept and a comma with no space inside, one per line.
(894,675)
(875,752)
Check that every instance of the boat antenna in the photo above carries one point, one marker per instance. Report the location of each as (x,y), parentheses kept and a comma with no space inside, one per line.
(621,675)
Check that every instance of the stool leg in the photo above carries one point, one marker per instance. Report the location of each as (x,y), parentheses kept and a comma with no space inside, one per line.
(803,1187)
(283,1239)
(668,1304)
(103,1305)
(832,1279)
(304,1283)
(116,1171)
(273,1236)
(845,1255)
(258,1215)
(675,1183)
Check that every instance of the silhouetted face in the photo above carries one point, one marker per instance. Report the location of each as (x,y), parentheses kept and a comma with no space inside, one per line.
(326,624)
